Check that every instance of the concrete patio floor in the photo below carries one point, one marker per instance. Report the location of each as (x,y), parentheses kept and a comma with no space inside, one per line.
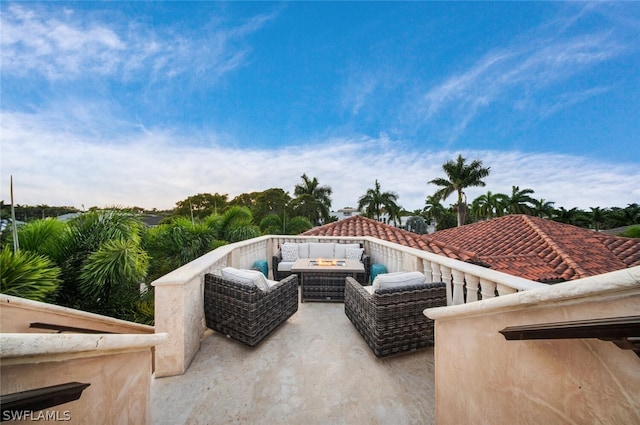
(314,369)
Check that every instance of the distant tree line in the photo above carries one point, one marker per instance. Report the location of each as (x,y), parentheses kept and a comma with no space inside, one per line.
(461,175)
(102,260)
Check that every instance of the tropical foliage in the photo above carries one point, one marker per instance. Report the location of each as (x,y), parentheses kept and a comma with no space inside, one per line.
(489,205)
(312,200)
(276,225)
(520,202)
(374,203)
(201,205)
(28,275)
(434,210)
(417,224)
(460,176)
(182,240)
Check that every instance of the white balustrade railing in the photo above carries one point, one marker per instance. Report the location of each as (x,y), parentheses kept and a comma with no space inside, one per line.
(179,300)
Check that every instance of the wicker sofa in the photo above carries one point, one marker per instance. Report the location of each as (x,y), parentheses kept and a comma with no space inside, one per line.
(245,312)
(281,266)
(391,320)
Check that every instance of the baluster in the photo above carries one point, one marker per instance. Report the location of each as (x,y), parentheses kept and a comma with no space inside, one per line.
(428,272)
(446,278)
(472,287)
(488,288)
(396,263)
(458,287)
(392,256)
(505,290)
(435,272)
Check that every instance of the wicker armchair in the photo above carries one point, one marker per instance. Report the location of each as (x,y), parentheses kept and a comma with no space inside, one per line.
(246,313)
(391,320)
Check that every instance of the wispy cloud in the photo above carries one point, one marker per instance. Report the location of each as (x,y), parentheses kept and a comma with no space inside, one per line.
(60,44)
(565,100)
(532,68)
(155,168)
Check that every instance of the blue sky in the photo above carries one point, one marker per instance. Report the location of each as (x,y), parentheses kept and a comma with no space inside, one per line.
(146,103)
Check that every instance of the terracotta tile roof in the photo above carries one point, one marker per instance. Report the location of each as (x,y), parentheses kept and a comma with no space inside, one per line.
(521,245)
(543,250)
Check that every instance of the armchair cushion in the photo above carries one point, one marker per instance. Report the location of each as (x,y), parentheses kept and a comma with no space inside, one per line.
(247,277)
(390,280)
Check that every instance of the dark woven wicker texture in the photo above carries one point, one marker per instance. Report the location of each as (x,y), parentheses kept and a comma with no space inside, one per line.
(324,286)
(391,320)
(245,313)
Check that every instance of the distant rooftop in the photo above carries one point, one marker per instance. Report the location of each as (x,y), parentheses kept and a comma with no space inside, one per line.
(525,246)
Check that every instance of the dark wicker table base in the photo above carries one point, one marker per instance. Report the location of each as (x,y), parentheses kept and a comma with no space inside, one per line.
(323,286)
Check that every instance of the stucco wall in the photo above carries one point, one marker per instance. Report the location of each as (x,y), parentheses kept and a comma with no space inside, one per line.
(483,378)
(17,313)
(119,392)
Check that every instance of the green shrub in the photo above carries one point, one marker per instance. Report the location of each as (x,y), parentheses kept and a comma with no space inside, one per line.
(28,275)
(632,232)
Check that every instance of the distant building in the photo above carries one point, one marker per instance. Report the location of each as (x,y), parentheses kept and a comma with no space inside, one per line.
(68,216)
(6,222)
(345,212)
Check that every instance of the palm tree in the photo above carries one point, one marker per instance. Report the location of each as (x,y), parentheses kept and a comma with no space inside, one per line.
(28,275)
(434,210)
(236,224)
(43,237)
(573,216)
(177,242)
(489,205)
(373,203)
(103,262)
(318,196)
(110,277)
(460,176)
(628,215)
(543,208)
(597,217)
(520,202)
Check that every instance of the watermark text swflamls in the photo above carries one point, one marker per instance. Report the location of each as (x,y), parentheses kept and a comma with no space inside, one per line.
(40,415)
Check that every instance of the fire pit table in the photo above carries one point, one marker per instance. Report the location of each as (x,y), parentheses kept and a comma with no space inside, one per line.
(323,280)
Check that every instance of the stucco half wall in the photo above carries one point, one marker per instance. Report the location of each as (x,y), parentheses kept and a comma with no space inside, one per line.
(483,378)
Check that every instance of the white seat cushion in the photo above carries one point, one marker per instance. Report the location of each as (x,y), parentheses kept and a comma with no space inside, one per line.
(303,250)
(321,250)
(369,289)
(392,280)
